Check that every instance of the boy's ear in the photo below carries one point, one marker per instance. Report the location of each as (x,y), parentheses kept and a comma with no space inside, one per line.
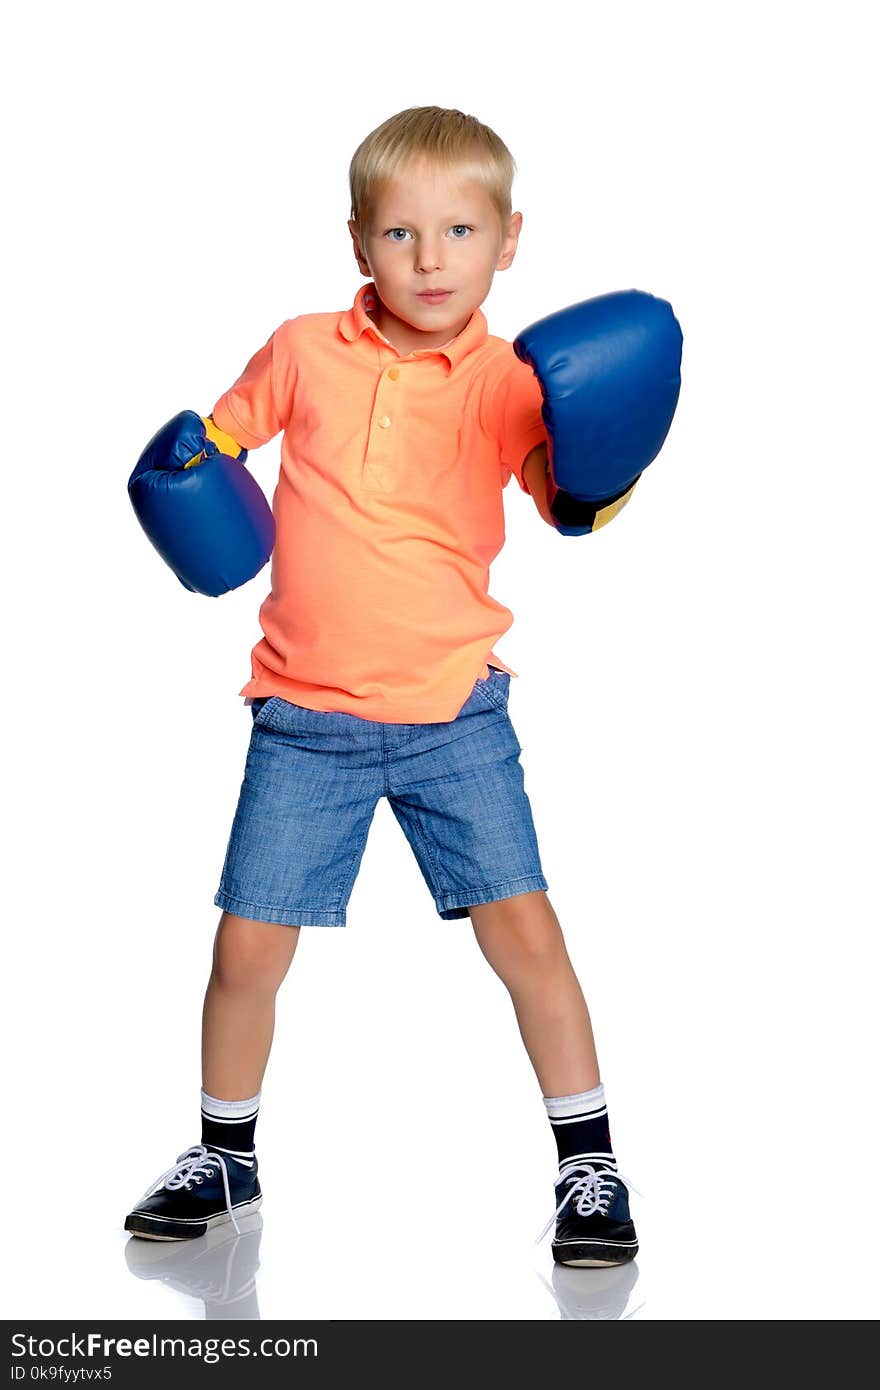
(511,241)
(358,252)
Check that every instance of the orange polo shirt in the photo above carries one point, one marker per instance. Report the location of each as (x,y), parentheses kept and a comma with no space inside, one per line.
(388,510)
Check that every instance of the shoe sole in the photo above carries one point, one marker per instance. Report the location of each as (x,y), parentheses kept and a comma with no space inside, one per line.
(599,1255)
(151,1227)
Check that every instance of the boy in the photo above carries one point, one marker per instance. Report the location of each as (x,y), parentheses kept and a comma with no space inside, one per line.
(403,421)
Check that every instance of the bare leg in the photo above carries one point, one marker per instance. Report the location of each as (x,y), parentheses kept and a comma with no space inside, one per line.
(522,940)
(238,1020)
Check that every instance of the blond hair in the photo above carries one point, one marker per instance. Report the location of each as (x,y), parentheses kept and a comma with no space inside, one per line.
(449,138)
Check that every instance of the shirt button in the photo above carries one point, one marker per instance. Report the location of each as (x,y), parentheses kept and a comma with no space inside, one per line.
(385,422)
(394,373)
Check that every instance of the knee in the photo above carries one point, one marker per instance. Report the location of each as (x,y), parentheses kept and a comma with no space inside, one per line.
(520,936)
(252,955)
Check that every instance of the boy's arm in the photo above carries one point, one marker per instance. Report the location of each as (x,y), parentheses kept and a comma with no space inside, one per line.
(535,471)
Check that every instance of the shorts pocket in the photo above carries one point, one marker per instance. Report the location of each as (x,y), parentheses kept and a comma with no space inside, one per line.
(495,688)
(261,710)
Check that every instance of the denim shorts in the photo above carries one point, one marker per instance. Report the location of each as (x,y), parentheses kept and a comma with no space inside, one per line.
(312,781)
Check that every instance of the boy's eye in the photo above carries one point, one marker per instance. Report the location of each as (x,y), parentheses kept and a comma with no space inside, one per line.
(458,227)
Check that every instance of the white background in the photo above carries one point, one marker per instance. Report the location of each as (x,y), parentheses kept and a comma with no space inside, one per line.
(697,693)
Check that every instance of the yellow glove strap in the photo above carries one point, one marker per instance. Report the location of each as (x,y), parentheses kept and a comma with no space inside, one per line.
(224,442)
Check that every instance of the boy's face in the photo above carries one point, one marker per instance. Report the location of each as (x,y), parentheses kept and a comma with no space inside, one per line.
(432,230)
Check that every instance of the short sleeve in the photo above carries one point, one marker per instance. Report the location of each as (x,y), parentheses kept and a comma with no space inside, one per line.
(259,403)
(511,409)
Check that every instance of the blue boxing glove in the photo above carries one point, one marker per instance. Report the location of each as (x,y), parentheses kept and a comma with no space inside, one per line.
(201,508)
(609,372)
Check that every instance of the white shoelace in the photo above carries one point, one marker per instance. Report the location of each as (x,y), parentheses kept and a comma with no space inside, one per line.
(189,1167)
(592,1186)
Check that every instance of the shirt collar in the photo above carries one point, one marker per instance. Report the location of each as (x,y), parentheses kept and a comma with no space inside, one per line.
(355,321)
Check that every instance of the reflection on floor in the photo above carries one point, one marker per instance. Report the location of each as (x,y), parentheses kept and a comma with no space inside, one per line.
(219,1268)
(598,1294)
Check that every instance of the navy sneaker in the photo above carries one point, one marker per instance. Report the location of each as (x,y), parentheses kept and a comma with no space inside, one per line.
(593,1225)
(203,1189)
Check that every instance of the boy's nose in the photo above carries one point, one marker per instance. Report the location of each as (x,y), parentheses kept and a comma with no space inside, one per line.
(428,260)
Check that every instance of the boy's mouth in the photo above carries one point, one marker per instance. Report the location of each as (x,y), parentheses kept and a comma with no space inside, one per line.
(434,296)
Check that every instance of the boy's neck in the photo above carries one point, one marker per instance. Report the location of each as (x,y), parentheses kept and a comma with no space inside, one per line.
(405,338)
